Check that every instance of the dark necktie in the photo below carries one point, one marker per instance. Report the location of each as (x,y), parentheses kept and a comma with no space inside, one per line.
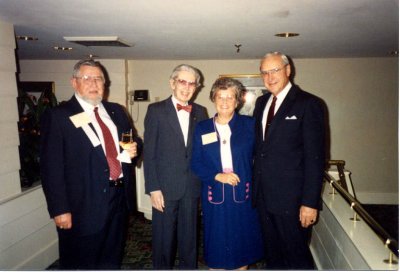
(187,108)
(111,151)
(270,116)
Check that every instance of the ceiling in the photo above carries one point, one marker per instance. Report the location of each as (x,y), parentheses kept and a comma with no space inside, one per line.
(206,29)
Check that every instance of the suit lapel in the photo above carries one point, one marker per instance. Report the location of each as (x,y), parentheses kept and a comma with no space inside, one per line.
(192,123)
(282,111)
(75,109)
(173,120)
(259,116)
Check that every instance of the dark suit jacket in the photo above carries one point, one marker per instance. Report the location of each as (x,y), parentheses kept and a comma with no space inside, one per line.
(166,158)
(75,175)
(289,166)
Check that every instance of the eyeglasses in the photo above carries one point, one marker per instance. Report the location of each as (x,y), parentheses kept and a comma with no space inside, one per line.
(184,83)
(88,79)
(227,98)
(272,71)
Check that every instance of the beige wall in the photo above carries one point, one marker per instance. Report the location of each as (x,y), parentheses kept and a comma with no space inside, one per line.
(361,95)
(9,141)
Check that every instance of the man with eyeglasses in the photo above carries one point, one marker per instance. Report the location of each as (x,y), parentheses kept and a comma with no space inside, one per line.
(87,174)
(173,188)
(288,165)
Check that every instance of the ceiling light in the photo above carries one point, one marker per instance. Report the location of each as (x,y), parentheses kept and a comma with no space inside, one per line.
(394,53)
(287,34)
(26,38)
(98,41)
(61,48)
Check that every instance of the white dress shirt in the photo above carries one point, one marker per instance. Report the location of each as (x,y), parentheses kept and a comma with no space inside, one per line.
(89,109)
(183,117)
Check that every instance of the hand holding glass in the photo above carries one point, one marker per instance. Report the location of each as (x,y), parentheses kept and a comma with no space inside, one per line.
(128,144)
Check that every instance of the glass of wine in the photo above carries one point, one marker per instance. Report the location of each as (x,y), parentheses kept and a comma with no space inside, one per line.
(126,137)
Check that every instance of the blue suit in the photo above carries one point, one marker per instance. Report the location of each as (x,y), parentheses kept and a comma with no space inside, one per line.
(288,173)
(75,179)
(232,234)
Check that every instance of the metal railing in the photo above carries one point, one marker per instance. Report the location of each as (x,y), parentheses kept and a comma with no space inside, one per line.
(359,211)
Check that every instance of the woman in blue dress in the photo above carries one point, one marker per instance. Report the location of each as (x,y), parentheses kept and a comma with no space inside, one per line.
(222,158)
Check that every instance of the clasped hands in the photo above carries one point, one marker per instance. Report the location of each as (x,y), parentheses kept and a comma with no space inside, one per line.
(228,178)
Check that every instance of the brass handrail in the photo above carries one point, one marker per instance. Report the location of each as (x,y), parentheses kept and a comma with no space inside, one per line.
(388,241)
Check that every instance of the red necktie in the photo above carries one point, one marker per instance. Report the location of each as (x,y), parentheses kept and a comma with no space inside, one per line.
(270,116)
(111,151)
(187,108)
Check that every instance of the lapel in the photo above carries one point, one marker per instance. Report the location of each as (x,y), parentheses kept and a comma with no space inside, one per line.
(111,112)
(75,109)
(173,120)
(192,124)
(259,115)
(282,112)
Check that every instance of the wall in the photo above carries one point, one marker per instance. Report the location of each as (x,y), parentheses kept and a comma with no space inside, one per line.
(27,236)
(60,71)
(9,141)
(361,95)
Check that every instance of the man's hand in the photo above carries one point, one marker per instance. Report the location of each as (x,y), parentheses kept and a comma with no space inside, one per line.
(157,200)
(63,221)
(131,148)
(307,216)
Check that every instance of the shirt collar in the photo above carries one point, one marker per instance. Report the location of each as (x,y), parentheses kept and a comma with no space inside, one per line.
(87,107)
(282,94)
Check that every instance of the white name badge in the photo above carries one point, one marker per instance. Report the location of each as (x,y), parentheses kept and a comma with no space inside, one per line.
(82,120)
(209,138)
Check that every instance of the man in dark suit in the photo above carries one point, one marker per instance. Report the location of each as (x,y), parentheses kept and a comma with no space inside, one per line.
(173,188)
(288,165)
(86,175)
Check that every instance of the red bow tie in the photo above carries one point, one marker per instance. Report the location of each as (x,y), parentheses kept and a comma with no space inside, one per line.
(187,108)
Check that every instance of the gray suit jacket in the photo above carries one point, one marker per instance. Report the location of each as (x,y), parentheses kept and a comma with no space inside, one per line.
(166,158)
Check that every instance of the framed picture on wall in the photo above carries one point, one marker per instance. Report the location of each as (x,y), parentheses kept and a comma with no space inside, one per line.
(254,88)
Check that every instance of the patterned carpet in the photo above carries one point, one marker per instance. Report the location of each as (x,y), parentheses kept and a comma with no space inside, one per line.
(138,246)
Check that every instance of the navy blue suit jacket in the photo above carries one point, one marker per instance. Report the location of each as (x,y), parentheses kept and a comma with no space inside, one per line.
(206,160)
(166,158)
(75,174)
(289,166)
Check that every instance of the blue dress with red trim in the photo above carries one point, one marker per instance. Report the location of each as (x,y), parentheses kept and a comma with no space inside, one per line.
(232,232)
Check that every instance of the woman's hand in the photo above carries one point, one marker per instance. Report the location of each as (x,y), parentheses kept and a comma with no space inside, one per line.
(228,178)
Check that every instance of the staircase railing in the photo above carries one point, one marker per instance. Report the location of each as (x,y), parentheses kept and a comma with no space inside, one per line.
(340,186)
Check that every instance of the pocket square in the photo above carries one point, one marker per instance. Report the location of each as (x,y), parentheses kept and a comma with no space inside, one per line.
(291,117)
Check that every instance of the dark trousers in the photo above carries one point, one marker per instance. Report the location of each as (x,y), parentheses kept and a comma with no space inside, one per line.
(101,251)
(285,240)
(175,228)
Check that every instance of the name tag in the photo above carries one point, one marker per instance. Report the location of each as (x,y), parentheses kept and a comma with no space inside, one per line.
(209,138)
(82,120)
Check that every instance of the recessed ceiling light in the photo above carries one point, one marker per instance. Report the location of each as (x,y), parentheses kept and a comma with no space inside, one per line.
(61,48)
(26,38)
(287,34)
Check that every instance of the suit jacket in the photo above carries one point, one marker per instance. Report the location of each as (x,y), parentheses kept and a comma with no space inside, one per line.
(206,161)
(166,159)
(75,174)
(289,166)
